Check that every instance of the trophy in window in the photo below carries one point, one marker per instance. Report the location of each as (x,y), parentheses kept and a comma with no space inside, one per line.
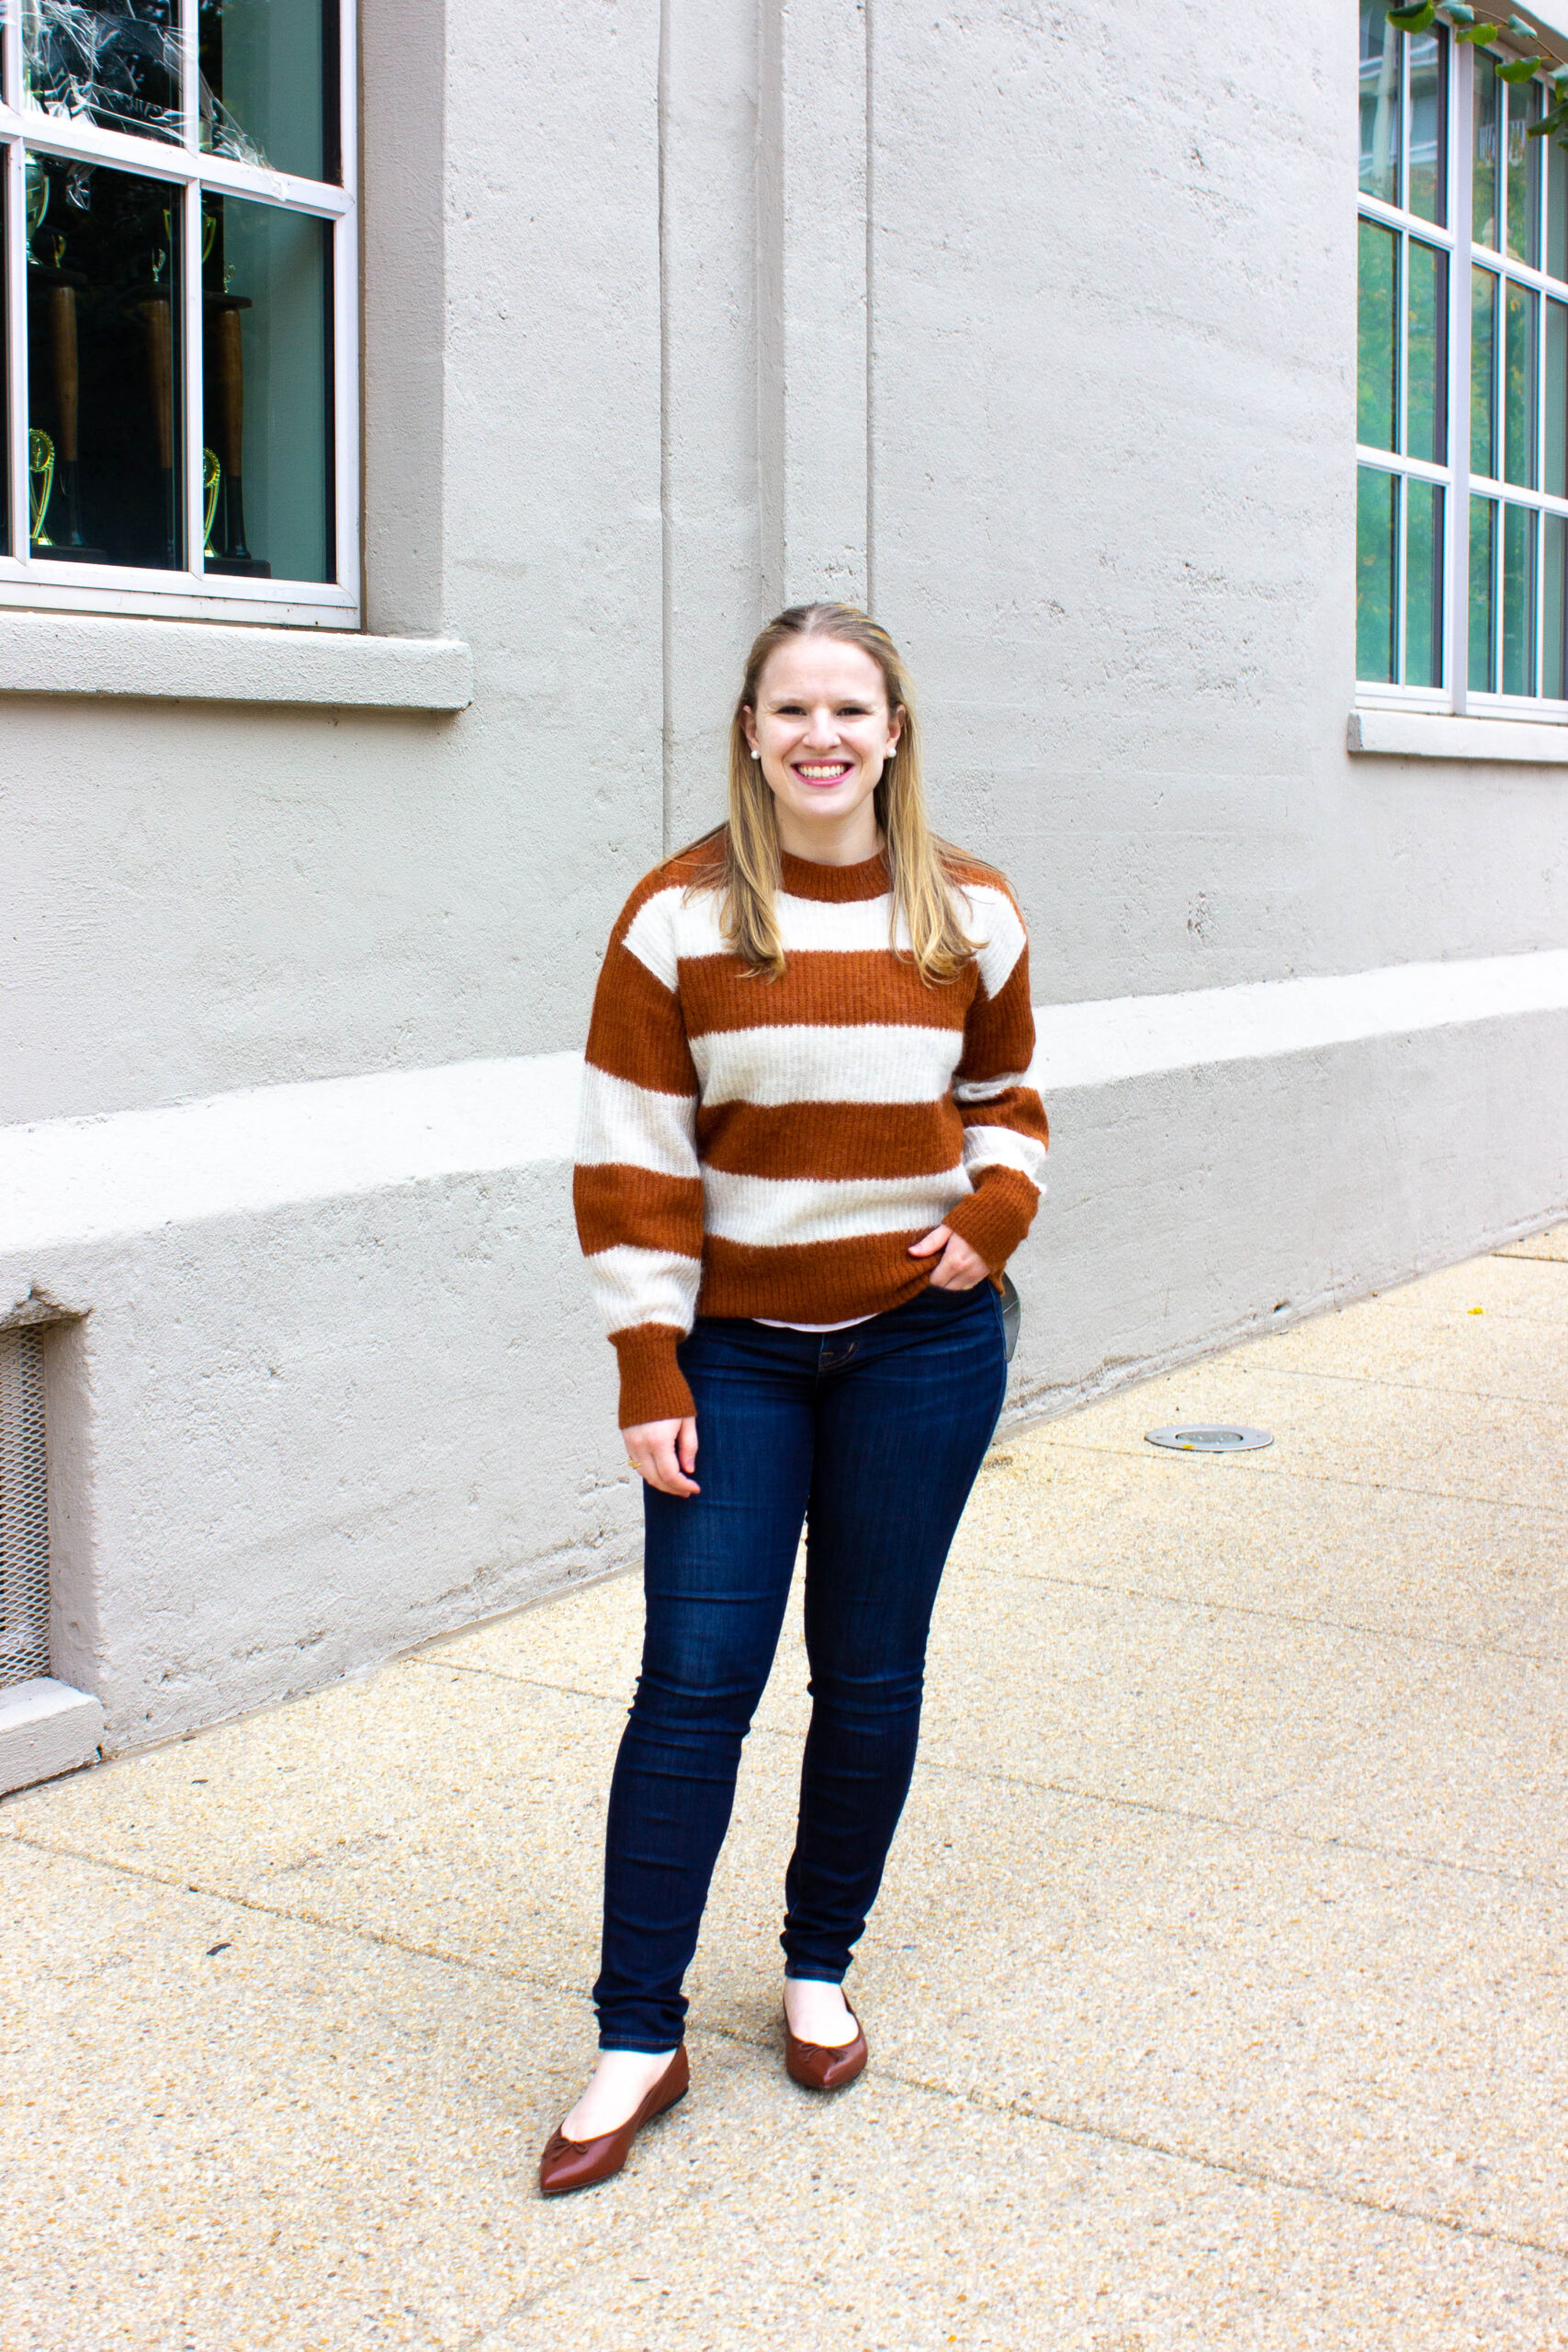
(54,289)
(226,414)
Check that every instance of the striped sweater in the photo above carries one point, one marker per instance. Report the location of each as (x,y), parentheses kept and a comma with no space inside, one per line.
(771,1147)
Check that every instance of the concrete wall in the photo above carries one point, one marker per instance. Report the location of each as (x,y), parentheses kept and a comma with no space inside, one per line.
(1036,327)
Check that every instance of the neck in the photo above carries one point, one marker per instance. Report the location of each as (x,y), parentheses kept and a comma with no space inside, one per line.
(835,841)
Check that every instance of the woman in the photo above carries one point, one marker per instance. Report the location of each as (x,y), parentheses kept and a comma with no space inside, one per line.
(807,1141)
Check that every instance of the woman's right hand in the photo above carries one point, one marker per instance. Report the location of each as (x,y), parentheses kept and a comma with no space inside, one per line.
(665,1453)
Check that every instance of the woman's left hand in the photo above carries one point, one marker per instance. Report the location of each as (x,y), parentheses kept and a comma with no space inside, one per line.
(958,1267)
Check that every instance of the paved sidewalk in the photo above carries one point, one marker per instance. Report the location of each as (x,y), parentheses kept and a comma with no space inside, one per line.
(1215,1995)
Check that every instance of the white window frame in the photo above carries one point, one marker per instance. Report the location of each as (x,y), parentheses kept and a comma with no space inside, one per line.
(32,581)
(1455,695)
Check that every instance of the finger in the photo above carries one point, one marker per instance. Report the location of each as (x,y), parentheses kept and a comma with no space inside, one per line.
(666,1473)
(936,1238)
(959,1267)
(686,1445)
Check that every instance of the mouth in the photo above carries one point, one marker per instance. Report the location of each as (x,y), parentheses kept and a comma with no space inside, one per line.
(823,772)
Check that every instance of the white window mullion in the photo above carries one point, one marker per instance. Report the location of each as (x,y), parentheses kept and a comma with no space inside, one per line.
(190,86)
(1462,144)
(15,278)
(192,427)
(11,54)
(345,317)
(348,111)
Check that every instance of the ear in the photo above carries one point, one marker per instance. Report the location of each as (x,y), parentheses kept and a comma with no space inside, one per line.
(895,729)
(749,726)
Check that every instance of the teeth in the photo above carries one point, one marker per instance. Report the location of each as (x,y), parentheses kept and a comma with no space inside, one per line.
(841,768)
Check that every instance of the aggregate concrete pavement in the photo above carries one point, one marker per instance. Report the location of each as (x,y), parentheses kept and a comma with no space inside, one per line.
(1215,1993)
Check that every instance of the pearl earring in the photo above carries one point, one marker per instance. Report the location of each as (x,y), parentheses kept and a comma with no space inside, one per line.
(755,753)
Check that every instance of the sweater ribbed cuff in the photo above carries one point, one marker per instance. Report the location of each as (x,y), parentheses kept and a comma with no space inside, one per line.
(996,1215)
(653,1386)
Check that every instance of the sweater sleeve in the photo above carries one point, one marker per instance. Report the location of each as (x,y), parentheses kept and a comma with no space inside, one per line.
(1005,1131)
(637,1186)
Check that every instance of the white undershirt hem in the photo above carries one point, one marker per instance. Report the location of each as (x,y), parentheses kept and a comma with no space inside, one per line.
(847,1325)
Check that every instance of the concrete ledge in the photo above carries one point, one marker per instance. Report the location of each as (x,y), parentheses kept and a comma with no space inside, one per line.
(46,1728)
(96,653)
(1419,735)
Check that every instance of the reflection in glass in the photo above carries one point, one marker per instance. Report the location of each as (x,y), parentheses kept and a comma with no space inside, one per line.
(1376,510)
(1428,123)
(266,391)
(1556,209)
(1554,608)
(1518,600)
(1483,373)
(1519,325)
(1426,329)
(1380,106)
(1483,672)
(1423,583)
(103,365)
(1524,171)
(1483,162)
(1377,347)
(115,62)
(269,83)
(1555,456)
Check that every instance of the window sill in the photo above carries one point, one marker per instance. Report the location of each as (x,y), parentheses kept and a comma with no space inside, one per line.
(80,653)
(1416,735)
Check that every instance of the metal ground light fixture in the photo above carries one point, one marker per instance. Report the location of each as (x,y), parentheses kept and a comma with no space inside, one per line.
(1208,1437)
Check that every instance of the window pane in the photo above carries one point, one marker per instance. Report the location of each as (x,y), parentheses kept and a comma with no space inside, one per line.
(1519,325)
(1556,208)
(1483,373)
(1380,106)
(1518,600)
(1554,609)
(1554,457)
(269,82)
(1423,584)
(102,364)
(1524,171)
(1375,597)
(1483,163)
(1377,360)
(1428,124)
(1482,635)
(266,391)
(1426,332)
(117,62)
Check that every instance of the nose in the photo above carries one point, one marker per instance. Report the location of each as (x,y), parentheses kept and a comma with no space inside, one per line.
(822,728)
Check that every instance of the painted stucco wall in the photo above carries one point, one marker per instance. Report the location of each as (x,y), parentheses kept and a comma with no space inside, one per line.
(1033,324)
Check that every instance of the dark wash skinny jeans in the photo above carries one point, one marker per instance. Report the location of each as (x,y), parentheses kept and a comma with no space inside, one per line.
(874,1435)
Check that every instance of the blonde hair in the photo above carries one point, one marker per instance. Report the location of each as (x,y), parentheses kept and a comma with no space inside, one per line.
(745,858)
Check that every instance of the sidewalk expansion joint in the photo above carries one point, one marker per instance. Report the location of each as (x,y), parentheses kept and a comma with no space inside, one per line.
(923,2085)
(1269,1616)
(1242,1465)
(1241,1825)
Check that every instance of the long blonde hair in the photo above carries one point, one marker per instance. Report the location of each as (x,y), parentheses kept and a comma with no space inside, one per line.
(745,858)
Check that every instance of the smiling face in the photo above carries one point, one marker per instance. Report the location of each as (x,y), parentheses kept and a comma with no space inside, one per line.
(824,730)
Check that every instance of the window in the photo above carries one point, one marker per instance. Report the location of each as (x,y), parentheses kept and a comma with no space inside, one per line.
(1462,395)
(180,322)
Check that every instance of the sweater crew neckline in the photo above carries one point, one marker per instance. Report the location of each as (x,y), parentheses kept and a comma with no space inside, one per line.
(835,883)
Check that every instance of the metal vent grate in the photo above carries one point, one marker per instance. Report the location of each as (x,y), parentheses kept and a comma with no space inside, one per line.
(23,1510)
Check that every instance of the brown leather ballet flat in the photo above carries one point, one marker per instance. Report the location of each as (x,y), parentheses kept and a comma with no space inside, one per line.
(578,2163)
(816,2069)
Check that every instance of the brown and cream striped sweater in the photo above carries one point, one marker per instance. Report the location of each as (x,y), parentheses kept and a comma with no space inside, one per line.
(771,1147)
